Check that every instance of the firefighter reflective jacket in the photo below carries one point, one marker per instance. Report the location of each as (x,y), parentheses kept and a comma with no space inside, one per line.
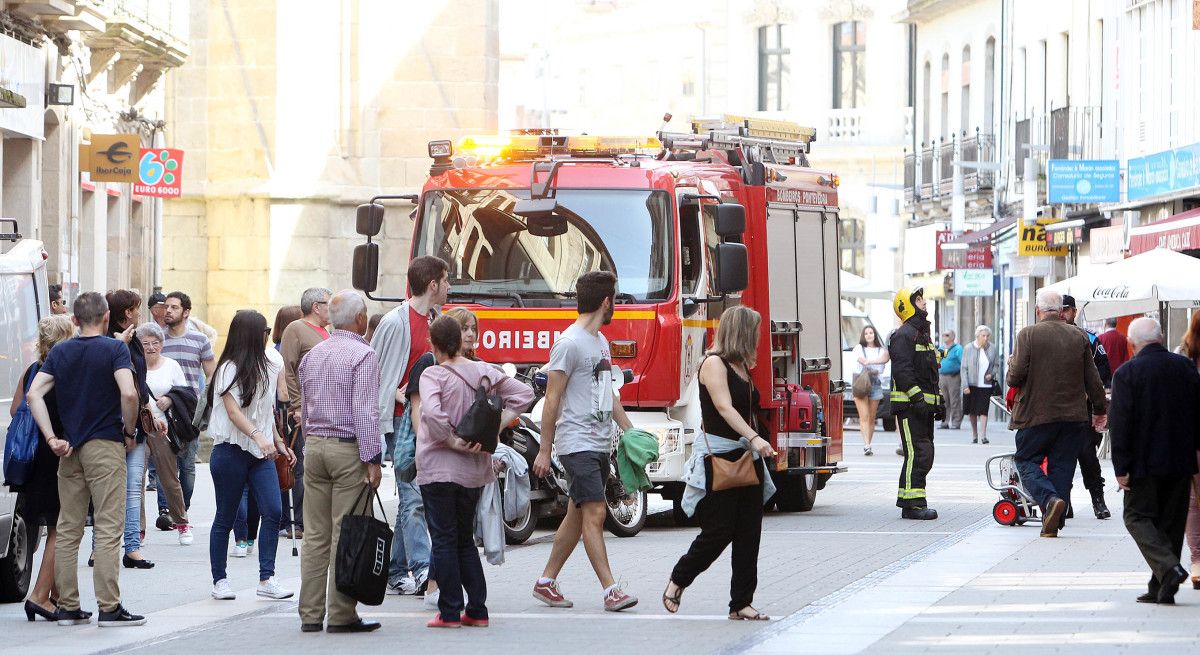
(914,365)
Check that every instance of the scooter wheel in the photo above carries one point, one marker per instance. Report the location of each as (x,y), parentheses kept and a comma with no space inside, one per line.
(1005,512)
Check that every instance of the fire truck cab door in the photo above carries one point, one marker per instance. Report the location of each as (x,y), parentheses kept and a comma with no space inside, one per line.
(804,278)
(698,241)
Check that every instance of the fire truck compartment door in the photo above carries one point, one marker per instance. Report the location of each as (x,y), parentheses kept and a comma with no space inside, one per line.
(803,274)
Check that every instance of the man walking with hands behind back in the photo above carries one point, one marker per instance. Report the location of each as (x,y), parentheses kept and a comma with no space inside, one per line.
(577,421)
(1053,369)
(1155,426)
(98,405)
(339,379)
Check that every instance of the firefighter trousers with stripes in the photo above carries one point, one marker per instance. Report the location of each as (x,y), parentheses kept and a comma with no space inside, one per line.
(916,439)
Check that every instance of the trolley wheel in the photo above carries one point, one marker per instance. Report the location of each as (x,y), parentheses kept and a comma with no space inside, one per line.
(1005,512)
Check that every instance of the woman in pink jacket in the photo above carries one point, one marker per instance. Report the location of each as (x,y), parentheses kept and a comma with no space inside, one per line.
(451,471)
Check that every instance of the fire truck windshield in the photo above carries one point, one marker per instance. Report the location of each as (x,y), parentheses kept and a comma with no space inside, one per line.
(492,254)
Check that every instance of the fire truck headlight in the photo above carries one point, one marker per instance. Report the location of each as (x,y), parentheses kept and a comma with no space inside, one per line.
(440,149)
(670,440)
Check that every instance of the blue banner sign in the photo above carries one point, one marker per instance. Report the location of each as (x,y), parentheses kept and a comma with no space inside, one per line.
(1084,180)
(1164,172)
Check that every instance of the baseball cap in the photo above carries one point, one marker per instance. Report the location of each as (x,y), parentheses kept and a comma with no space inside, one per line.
(1068,302)
(156,299)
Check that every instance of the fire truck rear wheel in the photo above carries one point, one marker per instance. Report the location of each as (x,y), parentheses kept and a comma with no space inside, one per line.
(796,493)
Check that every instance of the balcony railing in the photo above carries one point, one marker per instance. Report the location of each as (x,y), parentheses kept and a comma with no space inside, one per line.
(946,167)
(861,126)
(981,148)
(912,192)
(929,175)
(928,159)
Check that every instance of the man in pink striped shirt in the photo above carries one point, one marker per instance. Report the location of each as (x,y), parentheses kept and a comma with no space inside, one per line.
(339,381)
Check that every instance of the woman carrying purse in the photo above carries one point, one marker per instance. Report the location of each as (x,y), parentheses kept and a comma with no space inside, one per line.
(451,472)
(730,515)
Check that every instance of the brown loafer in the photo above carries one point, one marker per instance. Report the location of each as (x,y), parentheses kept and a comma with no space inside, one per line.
(1054,513)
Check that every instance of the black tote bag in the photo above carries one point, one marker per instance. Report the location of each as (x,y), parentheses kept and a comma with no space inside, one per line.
(363,552)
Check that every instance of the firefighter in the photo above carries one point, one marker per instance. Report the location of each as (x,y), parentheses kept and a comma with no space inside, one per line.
(915,399)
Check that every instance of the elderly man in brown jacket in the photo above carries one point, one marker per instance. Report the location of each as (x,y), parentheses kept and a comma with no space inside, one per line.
(1053,369)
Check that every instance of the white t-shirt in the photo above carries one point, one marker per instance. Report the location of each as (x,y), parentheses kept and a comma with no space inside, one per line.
(984,362)
(585,421)
(160,380)
(261,411)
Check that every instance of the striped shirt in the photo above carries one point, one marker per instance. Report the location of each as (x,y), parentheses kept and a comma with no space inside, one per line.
(191,351)
(339,381)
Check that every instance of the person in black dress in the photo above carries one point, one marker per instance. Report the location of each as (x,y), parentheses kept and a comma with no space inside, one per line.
(39,495)
(730,516)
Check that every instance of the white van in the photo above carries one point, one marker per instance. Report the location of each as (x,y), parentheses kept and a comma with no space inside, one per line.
(24,300)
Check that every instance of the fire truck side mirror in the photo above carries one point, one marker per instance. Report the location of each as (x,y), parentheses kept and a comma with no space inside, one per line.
(364,269)
(733,268)
(730,220)
(540,217)
(369,219)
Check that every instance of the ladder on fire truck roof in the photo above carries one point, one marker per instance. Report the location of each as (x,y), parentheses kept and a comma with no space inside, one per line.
(777,141)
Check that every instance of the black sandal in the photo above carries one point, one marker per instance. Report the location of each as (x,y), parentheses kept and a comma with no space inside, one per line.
(756,616)
(676,599)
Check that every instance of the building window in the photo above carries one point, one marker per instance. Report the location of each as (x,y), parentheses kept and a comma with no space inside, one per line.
(989,85)
(945,96)
(852,245)
(849,65)
(772,68)
(926,103)
(965,101)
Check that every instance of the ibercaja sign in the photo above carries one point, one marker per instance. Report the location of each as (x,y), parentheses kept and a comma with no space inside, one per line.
(160,173)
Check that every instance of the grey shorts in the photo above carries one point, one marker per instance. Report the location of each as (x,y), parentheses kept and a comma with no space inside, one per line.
(587,473)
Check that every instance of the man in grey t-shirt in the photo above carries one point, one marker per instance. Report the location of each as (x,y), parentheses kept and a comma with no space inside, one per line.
(577,422)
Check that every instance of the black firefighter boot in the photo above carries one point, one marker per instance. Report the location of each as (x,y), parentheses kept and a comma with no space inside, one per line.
(919,513)
(1098,505)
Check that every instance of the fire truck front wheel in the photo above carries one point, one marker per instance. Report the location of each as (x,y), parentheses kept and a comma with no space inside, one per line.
(795,493)
(626,520)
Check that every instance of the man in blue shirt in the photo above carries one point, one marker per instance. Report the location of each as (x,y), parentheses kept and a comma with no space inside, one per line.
(92,377)
(949,382)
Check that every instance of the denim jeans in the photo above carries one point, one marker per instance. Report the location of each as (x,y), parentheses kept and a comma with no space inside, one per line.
(232,470)
(187,475)
(410,546)
(245,526)
(1058,443)
(450,509)
(135,468)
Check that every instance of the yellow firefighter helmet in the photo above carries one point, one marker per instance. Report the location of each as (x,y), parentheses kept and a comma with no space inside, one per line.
(903,303)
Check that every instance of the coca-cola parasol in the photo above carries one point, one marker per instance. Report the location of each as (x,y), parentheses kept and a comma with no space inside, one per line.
(1135,285)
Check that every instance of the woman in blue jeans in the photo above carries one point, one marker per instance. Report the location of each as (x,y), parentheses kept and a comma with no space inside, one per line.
(242,396)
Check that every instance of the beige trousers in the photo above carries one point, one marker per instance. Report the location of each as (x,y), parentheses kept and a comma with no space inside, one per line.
(167,465)
(333,479)
(95,472)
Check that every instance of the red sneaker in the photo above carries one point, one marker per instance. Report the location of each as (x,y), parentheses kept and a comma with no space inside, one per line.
(617,600)
(437,622)
(549,594)
(474,623)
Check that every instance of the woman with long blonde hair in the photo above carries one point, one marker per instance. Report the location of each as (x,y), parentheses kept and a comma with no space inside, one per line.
(728,400)
(39,494)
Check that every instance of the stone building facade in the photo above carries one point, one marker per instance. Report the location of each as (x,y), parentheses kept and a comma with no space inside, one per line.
(292,114)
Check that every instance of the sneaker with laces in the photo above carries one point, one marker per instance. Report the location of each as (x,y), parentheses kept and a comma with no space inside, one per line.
(431,598)
(239,549)
(249,546)
(270,589)
(222,591)
(185,534)
(616,599)
(408,586)
(119,617)
(549,594)
(421,579)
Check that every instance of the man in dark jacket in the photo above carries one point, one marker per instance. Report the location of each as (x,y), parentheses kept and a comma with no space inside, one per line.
(1053,369)
(915,400)
(1155,427)
(1089,463)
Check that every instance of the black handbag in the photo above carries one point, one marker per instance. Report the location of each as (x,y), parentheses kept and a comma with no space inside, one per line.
(481,422)
(364,551)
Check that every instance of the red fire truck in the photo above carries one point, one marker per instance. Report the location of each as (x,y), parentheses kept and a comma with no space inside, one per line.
(727,213)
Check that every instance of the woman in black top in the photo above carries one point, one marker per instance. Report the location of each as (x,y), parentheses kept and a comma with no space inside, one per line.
(730,516)
(39,494)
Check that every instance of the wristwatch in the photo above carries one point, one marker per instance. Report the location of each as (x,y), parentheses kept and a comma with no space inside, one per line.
(128,436)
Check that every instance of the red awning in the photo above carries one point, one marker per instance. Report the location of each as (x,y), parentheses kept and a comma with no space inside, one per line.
(1179,232)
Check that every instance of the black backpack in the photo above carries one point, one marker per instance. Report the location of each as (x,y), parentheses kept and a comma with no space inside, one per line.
(481,422)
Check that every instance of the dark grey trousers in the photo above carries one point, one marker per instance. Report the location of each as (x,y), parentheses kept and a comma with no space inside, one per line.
(1155,514)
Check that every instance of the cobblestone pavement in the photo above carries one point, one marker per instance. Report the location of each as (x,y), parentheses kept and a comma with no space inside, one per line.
(849,576)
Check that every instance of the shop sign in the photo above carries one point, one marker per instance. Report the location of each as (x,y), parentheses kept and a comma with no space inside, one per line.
(1164,172)
(973,283)
(160,173)
(1084,180)
(111,158)
(1065,237)
(971,258)
(1032,240)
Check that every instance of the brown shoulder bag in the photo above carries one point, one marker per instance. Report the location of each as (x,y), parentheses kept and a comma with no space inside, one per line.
(287,475)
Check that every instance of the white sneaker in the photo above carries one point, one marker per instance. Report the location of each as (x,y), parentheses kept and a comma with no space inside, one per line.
(406,586)
(421,580)
(270,589)
(250,547)
(239,550)
(431,597)
(222,591)
(185,535)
